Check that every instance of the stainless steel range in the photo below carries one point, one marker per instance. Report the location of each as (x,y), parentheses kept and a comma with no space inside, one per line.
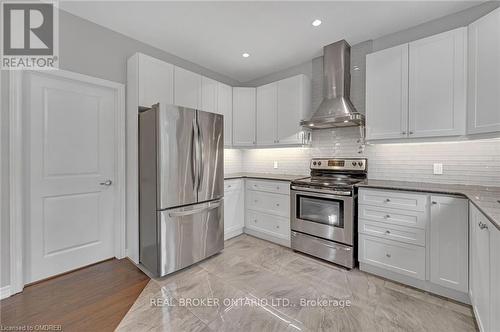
(323,209)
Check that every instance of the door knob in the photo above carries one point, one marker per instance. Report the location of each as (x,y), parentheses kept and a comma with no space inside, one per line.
(106,183)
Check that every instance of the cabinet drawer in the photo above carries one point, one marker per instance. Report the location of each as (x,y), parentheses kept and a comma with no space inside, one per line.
(278,187)
(268,203)
(232,185)
(393,199)
(393,216)
(395,256)
(392,232)
(272,225)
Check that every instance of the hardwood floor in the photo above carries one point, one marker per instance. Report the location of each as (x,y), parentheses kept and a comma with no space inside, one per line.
(95,298)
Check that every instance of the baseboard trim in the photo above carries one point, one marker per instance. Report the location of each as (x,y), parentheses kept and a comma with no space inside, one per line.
(420,284)
(4,292)
(232,233)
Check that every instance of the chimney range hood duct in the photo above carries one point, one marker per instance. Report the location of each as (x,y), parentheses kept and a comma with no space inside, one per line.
(336,110)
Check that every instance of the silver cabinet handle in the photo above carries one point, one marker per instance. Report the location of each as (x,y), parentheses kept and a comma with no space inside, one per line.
(387,200)
(411,133)
(106,183)
(434,202)
(403,133)
(277,204)
(388,255)
(387,216)
(482,225)
(387,232)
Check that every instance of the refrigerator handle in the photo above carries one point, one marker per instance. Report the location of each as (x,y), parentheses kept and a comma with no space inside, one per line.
(194,154)
(184,213)
(201,158)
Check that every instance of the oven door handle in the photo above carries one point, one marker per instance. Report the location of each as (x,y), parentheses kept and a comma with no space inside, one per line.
(330,192)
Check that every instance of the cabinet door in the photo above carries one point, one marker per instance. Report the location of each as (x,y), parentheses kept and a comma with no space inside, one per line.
(244,116)
(484,74)
(480,268)
(267,103)
(495,277)
(156,81)
(449,242)
(234,214)
(294,103)
(387,93)
(437,85)
(187,90)
(225,107)
(209,95)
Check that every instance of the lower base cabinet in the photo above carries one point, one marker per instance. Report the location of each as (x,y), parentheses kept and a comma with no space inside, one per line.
(485,271)
(234,207)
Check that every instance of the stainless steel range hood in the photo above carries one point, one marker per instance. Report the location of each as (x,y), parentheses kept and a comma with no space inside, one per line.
(336,110)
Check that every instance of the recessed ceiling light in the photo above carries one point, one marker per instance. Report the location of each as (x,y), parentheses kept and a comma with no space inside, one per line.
(316,23)
(245,55)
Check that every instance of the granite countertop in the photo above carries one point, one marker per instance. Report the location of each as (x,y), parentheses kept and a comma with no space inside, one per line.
(486,199)
(265,176)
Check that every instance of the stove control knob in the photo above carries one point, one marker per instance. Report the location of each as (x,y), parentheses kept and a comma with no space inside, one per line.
(353,163)
(360,163)
(314,163)
(319,163)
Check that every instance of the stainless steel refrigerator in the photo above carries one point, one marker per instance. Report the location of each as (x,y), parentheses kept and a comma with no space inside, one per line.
(181,187)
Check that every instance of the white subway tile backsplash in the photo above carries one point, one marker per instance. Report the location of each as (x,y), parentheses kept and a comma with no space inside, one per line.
(464,162)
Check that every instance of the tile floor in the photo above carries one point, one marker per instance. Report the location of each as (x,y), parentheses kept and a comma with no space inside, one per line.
(261,286)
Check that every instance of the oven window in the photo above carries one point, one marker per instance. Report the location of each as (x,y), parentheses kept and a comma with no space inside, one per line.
(321,210)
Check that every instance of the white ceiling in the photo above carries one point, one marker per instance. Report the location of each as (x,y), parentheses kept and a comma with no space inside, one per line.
(277,35)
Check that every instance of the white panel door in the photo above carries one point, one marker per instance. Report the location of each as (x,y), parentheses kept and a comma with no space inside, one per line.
(209,95)
(234,209)
(187,88)
(71,158)
(156,81)
(495,276)
(293,106)
(387,93)
(480,268)
(244,116)
(267,103)
(484,74)
(437,85)
(449,242)
(225,107)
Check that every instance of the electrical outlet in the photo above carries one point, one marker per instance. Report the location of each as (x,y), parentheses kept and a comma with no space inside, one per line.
(438,168)
(275,164)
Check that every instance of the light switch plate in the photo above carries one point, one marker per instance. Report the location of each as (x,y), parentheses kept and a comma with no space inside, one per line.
(438,168)
(275,164)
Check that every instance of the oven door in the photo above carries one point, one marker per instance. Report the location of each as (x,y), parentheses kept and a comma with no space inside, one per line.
(323,215)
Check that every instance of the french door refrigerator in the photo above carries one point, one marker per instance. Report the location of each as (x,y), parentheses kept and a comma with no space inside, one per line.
(181,187)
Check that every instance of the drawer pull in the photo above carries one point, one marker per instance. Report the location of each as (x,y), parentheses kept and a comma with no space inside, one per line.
(387,200)
(255,220)
(387,216)
(482,225)
(388,255)
(278,187)
(277,204)
(277,227)
(387,232)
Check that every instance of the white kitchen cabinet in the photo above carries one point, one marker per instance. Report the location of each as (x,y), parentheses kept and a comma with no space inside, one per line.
(449,261)
(387,93)
(187,88)
(480,270)
(209,95)
(225,107)
(437,85)
(244,108)
(155,80)
(234,209)
(294,105)
(483,113)
(267,108)
(495,278)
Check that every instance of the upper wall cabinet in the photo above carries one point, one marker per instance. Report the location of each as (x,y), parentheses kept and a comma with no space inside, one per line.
(155,79)
(280,107)
(387,93)
(437,85)
(418,89)
(209,95)
(225,107)
(244,116)
(187,88)
(267,109)
(294,105)
(484,75)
